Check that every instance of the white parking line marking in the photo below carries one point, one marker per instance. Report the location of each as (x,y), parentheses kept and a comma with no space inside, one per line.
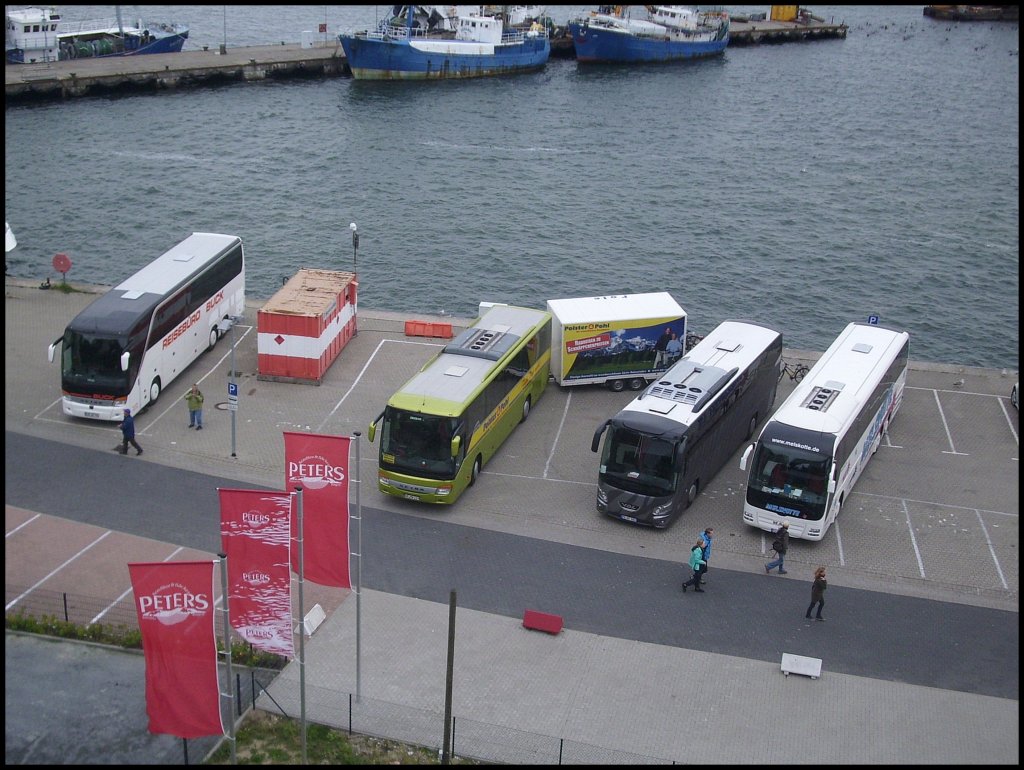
(362,371)
(1006,414)
(23,524)
(839,543)
(946,426)
(991,550)
(55,571)
(561,425)
(128,590)
(910,528)
(932,502)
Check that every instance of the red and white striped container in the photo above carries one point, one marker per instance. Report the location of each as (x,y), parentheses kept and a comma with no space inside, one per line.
(305,325)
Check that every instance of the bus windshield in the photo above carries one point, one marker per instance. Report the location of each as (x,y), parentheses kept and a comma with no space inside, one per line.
(639,463)
(789,481)
(420,444)
(93,363)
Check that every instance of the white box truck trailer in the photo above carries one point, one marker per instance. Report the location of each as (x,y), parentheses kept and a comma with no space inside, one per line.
(620,341)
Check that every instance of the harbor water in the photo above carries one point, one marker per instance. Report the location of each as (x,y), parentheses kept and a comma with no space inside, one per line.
(801,185)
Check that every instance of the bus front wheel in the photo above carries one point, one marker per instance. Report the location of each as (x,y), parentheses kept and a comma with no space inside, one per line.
(691,493)
(214,336)
(617,386)
(475,473)
(526,410)
(154,391)
(751,427)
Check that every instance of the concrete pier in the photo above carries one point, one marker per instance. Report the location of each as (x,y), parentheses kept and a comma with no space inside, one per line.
(92,77)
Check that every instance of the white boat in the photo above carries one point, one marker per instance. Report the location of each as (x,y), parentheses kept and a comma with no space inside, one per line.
(41,35)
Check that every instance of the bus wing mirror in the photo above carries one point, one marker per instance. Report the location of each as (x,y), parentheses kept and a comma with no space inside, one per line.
(597,436)
(456,444)
(125,357)
(52,350)
(746,457)
(832,479)
(372,431)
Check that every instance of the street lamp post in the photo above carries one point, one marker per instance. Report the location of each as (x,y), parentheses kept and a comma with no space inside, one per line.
(232,383)
(355,247)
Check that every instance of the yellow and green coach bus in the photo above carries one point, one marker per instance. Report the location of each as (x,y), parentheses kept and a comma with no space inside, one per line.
(441,428)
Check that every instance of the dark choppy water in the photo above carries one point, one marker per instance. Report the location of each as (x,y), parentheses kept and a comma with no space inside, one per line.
(803,185)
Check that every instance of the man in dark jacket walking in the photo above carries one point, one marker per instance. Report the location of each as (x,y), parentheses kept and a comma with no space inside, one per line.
(780,545)
(128,434)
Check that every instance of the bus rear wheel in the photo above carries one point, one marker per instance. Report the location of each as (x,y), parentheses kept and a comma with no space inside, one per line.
(617,386)
(154,391)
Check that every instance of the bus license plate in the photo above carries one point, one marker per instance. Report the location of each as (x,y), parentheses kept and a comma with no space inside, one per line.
(624,517)
(93,415)
(407,496)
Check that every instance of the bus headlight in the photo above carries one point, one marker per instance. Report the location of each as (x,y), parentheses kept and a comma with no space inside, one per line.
(661,511)
(444,491)
(602,498)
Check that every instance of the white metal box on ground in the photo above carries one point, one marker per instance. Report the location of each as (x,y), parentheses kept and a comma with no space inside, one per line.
(622,340)
(305,325)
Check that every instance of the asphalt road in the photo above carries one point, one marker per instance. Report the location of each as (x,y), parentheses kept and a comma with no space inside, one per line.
(872,634)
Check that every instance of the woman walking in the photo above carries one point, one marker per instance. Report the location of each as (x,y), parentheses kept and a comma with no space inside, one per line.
(818,593)
(696,564)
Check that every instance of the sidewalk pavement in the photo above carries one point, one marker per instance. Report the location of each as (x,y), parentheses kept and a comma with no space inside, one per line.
(516,692)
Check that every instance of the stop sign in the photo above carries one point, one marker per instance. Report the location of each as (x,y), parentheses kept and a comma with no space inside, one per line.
(61,263)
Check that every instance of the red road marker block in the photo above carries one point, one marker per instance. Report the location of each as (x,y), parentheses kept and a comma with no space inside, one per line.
(542,621)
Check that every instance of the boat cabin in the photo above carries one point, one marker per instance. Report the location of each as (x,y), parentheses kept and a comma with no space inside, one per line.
(480,29)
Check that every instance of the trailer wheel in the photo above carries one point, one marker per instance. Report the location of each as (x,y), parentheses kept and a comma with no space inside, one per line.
(617,386)
(637,383)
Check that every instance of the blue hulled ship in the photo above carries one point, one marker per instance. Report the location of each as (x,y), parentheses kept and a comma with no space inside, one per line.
(666,33)
(419,43)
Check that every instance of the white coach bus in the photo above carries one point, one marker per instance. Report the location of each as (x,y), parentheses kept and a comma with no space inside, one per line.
(813,449)
(127,346)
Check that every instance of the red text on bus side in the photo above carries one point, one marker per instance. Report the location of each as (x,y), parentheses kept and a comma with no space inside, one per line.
(215,300)
(182,328)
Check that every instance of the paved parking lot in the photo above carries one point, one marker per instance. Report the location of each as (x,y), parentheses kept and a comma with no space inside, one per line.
(935,513)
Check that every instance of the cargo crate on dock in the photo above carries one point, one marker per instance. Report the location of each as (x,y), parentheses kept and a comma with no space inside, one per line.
(305,325)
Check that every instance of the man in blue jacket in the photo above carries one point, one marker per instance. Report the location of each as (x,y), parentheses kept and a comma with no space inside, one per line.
(128,434)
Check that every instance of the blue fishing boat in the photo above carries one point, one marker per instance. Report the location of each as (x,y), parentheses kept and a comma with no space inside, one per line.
(40,35)
(420,43)
(663,33)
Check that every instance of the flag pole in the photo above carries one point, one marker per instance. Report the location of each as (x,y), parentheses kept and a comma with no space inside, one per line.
(302,626)
(228,692)
(359,567)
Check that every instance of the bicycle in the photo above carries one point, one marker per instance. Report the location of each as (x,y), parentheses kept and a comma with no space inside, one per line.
(795,371)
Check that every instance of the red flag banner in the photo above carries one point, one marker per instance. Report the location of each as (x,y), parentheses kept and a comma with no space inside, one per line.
(319,465)
(255,531)
(175,605)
